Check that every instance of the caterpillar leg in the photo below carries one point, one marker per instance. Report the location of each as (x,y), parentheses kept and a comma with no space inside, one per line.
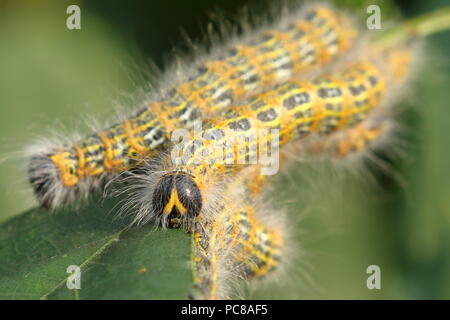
(352,141)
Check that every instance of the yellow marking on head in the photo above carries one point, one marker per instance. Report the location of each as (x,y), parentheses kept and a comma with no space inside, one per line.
(174,201)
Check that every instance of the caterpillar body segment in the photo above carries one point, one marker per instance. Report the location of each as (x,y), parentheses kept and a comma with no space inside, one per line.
(245,249)
(352,141)
(245,240)
(355,140)
(311,39)
(260,247)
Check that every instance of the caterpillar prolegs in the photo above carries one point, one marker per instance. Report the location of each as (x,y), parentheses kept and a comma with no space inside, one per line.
(304,42)
(348,142)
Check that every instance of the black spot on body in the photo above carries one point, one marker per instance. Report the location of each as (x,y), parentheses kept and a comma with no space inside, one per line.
(227,95)
(373,80)
(356,90)
(311,52)
(237,74)
(310,15)
(158,134)
(267,37)
(195,114)
(170,93)
(201,70)
(182,112)
(329,31)
(215,134)
(287,65)
(329,92)
(240,125)
(251,79)
(333,43)
(321,23)
(296,100)
(232,52)
(257,104)
(268,115)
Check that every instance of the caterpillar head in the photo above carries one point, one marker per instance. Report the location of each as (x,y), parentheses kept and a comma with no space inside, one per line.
(177,200)
(51,174)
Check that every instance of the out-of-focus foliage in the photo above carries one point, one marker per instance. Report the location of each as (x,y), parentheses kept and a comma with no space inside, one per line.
(52,80)
(36,250)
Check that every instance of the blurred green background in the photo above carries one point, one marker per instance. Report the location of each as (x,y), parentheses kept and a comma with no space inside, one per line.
(53,79)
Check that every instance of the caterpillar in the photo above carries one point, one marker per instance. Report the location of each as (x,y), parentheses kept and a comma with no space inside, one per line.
(302,43)
(348,142)
(245,241)
(295,108)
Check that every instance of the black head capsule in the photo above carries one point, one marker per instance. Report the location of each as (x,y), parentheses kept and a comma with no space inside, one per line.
(177,200)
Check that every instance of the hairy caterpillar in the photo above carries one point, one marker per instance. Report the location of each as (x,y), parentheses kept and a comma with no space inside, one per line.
(296,108)
(245,240)
(302,43)
(346,143)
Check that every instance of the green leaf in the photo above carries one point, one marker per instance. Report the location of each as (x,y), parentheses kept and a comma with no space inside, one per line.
(116,262)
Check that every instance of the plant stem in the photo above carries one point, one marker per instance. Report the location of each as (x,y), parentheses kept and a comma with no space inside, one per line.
(420,26)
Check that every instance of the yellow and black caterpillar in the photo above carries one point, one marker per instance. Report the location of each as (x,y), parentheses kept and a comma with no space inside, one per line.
(296,109)
(245,240)
(311,38)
